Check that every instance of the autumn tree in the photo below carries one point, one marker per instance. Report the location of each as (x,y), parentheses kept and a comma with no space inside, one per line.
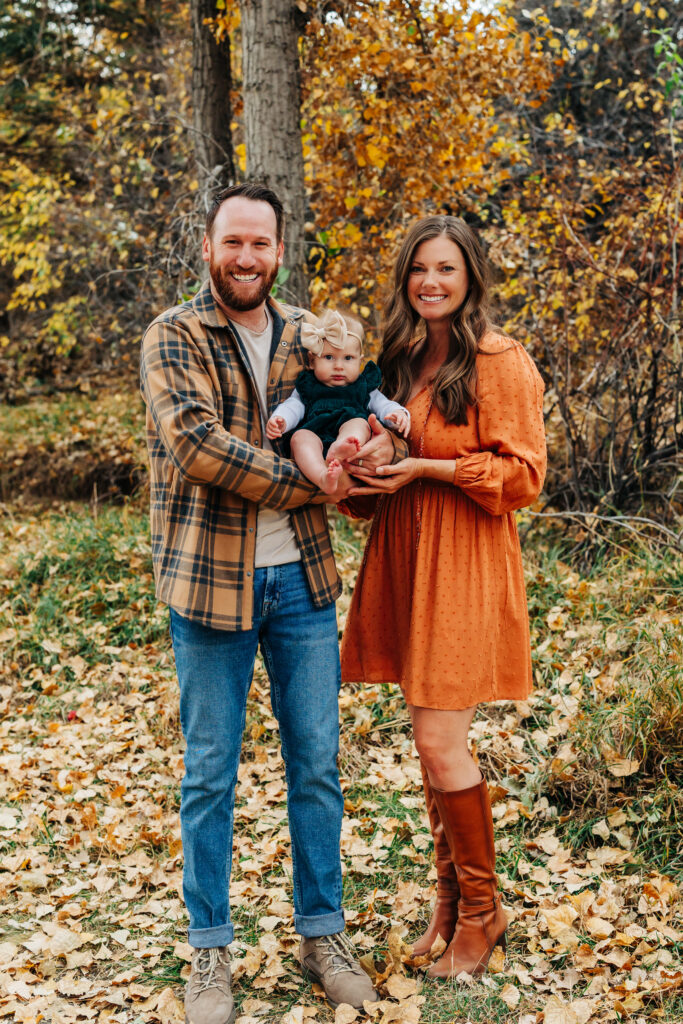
(271,91)
(93,149)
(588,243)
(211,101)
(401,119)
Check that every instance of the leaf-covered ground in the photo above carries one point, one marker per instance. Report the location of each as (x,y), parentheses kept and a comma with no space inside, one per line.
(585,778)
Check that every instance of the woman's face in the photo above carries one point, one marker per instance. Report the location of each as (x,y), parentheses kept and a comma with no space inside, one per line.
(437,279)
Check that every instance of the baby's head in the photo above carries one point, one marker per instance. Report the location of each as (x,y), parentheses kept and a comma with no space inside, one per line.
(334,348)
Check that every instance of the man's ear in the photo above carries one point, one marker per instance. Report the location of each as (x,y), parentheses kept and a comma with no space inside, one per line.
(206,255)
(280,251)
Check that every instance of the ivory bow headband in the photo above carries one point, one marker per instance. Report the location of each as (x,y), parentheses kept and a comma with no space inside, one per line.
(333,330)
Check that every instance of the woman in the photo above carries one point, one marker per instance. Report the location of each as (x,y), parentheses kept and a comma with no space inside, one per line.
(439,605)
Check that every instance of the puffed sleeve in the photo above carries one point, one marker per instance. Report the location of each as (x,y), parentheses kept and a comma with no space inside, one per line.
(508,472)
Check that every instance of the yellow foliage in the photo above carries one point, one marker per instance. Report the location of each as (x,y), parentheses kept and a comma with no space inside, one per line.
(389,121)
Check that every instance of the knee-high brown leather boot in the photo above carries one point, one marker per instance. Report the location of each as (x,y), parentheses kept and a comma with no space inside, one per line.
(468,828)
(445,912)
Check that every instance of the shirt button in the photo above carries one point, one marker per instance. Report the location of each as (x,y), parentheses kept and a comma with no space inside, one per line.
(248,574)
(256,443)
(272,380)
(284,344)
(251,529)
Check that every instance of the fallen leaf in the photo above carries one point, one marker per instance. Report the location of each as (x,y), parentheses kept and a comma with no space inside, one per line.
(622,767)
(510,995)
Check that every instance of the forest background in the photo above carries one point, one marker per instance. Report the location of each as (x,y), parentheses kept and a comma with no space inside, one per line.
(555,131)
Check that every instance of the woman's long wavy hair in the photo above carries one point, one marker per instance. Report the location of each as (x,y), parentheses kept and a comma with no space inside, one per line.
(455,384)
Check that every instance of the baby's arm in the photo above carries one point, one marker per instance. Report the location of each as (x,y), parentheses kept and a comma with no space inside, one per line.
(385,409)
(285,416)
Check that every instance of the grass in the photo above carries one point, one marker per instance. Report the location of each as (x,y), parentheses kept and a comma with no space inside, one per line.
(78,617)
(80,446)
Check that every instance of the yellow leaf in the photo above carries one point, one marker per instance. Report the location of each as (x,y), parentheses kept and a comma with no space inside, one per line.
(375,156)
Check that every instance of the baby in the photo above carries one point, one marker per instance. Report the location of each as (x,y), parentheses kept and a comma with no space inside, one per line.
(332,401)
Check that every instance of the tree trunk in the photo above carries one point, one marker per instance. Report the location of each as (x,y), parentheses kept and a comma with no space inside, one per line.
(272,121)
(211,102)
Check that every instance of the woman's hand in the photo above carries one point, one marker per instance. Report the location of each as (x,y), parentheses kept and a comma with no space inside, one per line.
(378,451)
(391,478)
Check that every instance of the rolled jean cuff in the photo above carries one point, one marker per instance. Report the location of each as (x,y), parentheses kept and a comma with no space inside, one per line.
(208,938)
(323,924)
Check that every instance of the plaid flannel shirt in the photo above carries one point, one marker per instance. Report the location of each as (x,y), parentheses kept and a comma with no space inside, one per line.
(208,472)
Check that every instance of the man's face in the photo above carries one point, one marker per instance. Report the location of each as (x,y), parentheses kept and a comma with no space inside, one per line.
(243,253)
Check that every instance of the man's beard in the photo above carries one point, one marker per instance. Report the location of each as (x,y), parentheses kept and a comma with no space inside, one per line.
(229,294)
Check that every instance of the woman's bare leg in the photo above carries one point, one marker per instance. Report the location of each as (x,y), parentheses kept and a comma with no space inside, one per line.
(307,449)
(441,741)
(351,437)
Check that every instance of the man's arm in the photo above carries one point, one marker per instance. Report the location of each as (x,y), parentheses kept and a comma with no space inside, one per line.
(178,392)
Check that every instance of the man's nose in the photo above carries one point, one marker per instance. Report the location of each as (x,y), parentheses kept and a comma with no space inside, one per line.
(245,257)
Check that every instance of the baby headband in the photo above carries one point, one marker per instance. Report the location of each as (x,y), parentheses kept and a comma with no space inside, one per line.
(333,330)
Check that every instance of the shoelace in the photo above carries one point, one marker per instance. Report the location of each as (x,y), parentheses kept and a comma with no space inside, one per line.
(340,954)
(206,963)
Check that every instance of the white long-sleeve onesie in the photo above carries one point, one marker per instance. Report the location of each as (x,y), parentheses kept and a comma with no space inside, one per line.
(292,409)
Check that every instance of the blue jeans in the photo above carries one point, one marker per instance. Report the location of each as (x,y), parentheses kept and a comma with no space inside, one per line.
(300,649)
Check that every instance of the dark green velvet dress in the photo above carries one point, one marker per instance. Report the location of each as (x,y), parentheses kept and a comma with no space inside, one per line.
(328,407)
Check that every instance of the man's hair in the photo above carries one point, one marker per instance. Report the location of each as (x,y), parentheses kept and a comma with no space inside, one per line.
(248,190)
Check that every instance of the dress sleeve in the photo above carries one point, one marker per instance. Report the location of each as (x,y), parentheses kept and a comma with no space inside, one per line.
(509,470)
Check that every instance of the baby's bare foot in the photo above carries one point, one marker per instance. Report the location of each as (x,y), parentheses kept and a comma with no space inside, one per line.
(328,480)
(344,448)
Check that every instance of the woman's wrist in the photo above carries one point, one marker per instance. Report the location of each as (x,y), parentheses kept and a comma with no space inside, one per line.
(438,469)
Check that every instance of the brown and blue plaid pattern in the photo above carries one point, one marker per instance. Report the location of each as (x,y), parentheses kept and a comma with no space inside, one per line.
(208,473)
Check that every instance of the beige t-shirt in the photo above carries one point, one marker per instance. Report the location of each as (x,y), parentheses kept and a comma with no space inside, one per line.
(275,539)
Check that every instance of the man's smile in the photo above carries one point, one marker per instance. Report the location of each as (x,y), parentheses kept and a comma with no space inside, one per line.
(244,278)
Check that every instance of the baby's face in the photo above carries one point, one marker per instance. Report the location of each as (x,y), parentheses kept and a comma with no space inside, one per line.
(337,367)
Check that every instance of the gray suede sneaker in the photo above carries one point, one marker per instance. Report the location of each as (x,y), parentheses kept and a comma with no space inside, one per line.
(331,960)
(208,997)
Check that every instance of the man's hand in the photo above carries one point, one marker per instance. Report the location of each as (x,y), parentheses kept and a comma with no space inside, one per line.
(378,451)
(275,427)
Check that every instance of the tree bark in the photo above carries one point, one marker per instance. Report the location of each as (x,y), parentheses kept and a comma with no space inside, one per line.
(272,121)
(211,102)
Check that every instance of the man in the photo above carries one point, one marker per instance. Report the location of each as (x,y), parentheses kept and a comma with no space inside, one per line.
(242,556)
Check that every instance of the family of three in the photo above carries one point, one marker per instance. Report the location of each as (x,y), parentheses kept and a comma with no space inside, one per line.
(258,415)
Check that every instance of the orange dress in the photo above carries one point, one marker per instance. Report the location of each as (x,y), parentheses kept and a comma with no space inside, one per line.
(447,618)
